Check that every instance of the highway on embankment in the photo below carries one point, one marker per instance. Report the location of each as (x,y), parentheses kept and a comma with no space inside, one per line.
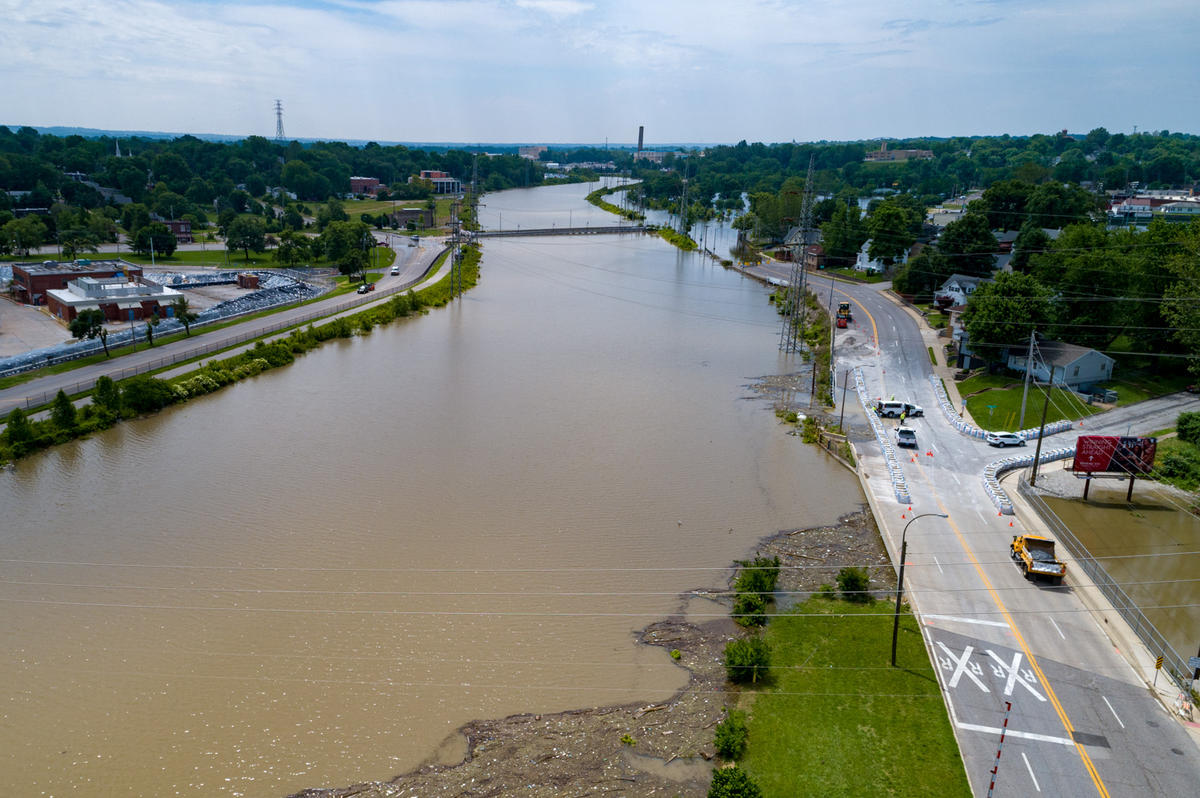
(414,263)
(1084,721)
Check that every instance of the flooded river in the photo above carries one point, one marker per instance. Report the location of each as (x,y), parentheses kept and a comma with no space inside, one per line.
(314,577)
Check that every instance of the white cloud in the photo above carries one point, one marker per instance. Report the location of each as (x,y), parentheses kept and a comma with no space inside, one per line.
(572,70)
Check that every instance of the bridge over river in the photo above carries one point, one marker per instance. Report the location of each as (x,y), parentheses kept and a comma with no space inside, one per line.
(563,231)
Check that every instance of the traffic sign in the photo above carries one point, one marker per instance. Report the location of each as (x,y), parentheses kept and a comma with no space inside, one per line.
(1194,662)
(1158,663)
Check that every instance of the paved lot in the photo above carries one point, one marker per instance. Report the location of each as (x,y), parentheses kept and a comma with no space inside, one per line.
(23,328)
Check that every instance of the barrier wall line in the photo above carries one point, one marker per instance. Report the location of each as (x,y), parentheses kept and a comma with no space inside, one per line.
(899,484)
(972,431)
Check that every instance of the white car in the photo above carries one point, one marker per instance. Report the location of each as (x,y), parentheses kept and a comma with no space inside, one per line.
(1004,439)
(906,436)
(395,270)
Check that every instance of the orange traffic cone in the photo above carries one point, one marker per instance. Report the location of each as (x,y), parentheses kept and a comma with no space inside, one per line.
(1010,523)
(903,516)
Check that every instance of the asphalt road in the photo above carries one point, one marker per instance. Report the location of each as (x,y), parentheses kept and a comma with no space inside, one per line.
(414,262)
(1083,720)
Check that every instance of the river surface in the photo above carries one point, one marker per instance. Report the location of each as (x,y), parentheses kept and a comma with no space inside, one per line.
(314,577)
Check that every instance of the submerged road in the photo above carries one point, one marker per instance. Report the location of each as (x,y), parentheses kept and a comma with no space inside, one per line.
(1083,721)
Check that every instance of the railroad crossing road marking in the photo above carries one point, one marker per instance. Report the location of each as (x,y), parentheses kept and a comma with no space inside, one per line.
(1015,675)
(963,665)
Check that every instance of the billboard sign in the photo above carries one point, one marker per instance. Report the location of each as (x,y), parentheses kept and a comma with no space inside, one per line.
(1112,454)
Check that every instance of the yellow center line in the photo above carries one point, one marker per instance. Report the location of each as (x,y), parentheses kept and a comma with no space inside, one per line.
(1033,663)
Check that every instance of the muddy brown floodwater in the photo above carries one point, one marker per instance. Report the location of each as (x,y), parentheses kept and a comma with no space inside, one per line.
(314,578)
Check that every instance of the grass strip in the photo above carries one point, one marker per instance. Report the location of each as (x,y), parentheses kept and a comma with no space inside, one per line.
(835,720)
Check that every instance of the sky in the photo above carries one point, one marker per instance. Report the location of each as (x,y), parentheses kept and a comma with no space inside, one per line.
(559,71)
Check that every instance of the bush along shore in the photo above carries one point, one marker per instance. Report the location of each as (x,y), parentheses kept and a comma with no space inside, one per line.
(113,402)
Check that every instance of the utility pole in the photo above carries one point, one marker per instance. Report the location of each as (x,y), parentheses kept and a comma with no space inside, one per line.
(1028,373)
(842,416)
(1037,454)
(791,335)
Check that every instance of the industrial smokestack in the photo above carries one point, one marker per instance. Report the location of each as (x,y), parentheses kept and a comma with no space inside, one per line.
(641,130)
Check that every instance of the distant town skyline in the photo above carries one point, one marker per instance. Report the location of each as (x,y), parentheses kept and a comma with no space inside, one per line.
(510,71)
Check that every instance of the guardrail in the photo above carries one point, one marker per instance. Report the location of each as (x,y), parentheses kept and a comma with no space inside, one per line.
(37,400)
(1177,669)
(899,484)
(972,431)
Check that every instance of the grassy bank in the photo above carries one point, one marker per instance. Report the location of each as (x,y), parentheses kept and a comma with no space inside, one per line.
(836,720)
(144,394)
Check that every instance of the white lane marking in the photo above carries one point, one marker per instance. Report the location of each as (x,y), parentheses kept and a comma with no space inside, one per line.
(939,565)
(1030,769)
(1041,738)
(1060,634)
(954,477)
(1115,715)
(977,621)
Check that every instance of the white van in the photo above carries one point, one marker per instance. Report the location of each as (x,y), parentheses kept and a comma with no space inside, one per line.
(890,409)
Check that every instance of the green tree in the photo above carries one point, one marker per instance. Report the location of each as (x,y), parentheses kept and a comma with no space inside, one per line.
(843,235)
(1187,427)
(1030,241)
(18,431)
(969,245)
(293,249)
(77,240)
(923,274)
(89,324)
(106,395)
(1000,314)
(62,412)
(890,227)
(347,244)
(747,660)
(733,783)
(1004,204)
(183,314)
(19,236)
(246,233)
(1055,205)
(143,394)
(155,235)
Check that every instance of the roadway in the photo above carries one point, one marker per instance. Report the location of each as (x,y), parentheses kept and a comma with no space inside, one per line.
(414,263)
(1083,719)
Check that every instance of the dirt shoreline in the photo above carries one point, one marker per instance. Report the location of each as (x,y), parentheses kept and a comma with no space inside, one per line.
(581,752)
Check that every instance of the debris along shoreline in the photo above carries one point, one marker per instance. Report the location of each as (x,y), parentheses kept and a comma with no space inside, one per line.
(637,749)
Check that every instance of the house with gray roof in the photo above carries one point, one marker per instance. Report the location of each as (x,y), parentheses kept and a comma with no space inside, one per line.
(1060,363)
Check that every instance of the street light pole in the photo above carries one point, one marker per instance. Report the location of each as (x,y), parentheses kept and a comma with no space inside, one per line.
(900,581)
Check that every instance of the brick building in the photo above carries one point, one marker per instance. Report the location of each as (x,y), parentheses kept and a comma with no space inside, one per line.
(118,298)
(364,185)
(31,281)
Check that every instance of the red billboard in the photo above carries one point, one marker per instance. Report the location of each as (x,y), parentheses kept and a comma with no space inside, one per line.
(1111,454)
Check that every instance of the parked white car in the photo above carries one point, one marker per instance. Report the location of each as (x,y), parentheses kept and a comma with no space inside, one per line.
(1004,439)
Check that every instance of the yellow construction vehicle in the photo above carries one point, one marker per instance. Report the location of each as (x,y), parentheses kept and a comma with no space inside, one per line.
(1035,556)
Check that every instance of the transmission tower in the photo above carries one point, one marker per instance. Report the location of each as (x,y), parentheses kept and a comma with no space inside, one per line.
(791,336)
(279,120)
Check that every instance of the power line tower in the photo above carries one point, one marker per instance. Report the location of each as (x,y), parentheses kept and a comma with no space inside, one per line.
(279,121)
(795,315)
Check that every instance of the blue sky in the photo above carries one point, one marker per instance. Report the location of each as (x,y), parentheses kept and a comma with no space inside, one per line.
(587,70)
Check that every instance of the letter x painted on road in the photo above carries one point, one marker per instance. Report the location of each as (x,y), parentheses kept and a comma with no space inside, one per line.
(1025,679)
(963,666)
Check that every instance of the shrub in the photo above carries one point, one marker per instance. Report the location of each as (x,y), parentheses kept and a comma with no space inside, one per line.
(731,736)
(733,783)
(759,575)
(146,394)
(675,654)
(827,591)
(1187,427)
(747,660)
(749,609)
(628,740)
(853,582)
(19,430)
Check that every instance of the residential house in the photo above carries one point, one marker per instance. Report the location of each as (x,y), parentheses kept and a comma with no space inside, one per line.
(1060,363)
(957,290)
